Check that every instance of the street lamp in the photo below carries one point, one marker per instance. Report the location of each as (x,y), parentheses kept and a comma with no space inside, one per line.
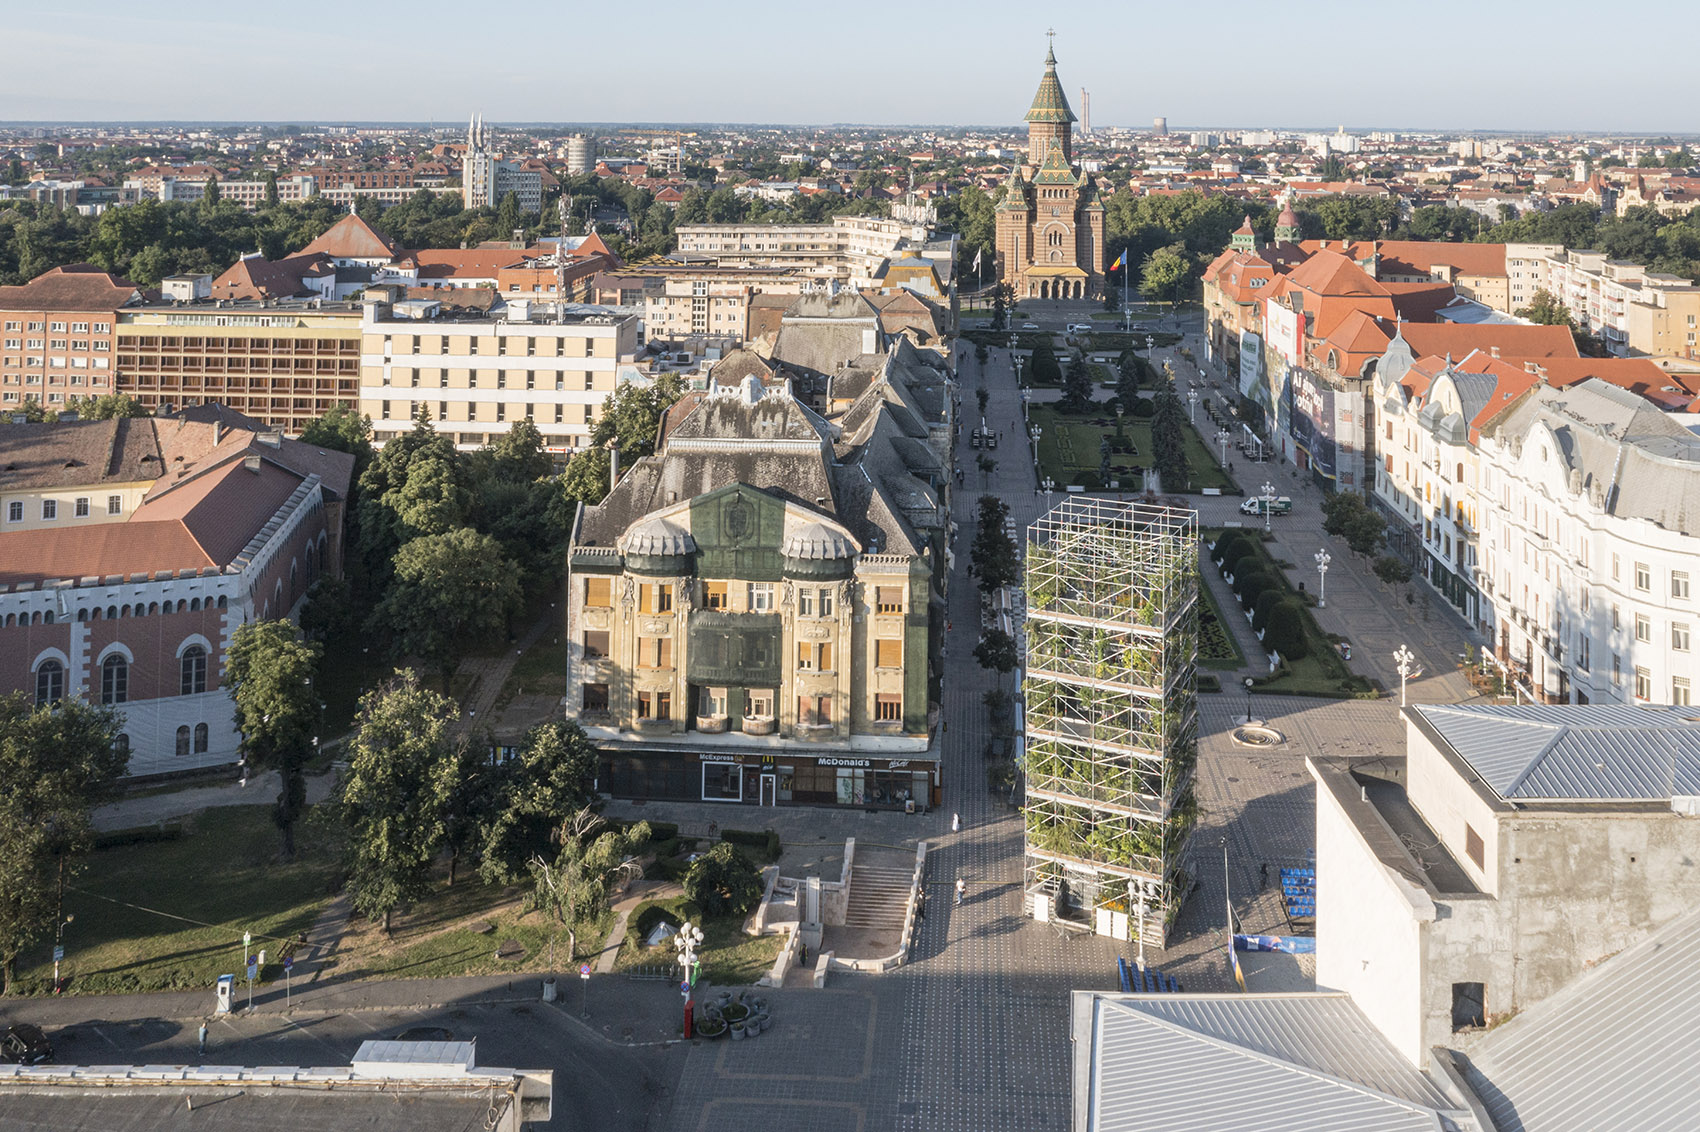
(1323,558)
(1192,406)
(1149,342)
(1017,358)
(1035,433)
(1222,435)
(1268,502)
(1403,658)
(688,939)
(1248,700)
(1047,485)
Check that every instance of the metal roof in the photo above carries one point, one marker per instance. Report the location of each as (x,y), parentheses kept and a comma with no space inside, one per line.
(1612,1049)
(1574,753)
(1203,1063)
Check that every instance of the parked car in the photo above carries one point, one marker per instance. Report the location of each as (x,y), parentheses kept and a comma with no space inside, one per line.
(1080,328)
(991,439)
(1029,326)
(1254,506)
(25,1044)
(974,439)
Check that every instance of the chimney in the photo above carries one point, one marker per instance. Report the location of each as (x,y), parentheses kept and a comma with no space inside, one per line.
(613,466)
(1494,350)
(218,432)
(252,463)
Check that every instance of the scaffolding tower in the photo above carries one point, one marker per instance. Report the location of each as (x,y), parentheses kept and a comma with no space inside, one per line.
(1111,714)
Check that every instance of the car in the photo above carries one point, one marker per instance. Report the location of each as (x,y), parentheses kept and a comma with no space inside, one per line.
(1029,326)
(974,439)
(991,439)
(1254,506)
(24,1044)
(1080,328)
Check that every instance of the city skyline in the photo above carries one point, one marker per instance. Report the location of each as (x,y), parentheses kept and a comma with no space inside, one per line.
(307,74)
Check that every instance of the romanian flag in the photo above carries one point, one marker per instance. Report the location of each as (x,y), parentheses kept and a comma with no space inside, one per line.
(1121,261)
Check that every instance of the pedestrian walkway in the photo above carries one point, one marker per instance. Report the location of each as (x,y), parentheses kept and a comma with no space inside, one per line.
(152,808)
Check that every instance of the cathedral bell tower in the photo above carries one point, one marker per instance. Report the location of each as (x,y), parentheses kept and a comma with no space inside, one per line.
(1049,120)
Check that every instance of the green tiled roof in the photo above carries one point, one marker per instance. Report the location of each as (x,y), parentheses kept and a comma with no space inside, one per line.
(1050,104)
(1055,170)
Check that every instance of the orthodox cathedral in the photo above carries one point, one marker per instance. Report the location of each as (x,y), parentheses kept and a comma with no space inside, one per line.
(1050,225)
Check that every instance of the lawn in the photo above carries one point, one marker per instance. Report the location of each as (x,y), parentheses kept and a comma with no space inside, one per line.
(729,957)
(170,914)
(1069,452)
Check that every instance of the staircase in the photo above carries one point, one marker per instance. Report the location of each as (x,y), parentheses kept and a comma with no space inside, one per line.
(879,898)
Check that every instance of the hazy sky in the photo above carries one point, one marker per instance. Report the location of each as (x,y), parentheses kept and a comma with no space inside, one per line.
(1484,64)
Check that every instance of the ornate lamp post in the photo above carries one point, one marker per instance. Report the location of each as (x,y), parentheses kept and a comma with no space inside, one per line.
(1222,435)
(1403,658)
(1323,558)
(1192,406)
(1149,342)
(1047,485)
(687,941)
(1248,700)
(1035,433)
(1268,502)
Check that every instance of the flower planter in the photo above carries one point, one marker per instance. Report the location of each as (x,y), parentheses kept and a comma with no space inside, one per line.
(712,724)
(739,1031)
(760,725)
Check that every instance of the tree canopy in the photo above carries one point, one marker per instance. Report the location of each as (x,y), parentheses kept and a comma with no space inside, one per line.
(269,675)
(448,592)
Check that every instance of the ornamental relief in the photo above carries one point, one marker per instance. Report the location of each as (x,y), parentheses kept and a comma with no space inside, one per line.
(816,630)
(656,626)
(597,618)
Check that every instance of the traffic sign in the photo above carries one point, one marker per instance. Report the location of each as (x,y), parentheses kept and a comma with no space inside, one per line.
(58,954)
(584,970)
(253,972)
(288,962)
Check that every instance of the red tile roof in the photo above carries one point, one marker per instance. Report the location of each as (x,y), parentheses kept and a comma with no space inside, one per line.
(74,287)
(353,238)
(1459,340)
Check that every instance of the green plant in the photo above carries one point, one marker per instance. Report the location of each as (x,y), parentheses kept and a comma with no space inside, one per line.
(723,882)
(767,840)
(1286,632)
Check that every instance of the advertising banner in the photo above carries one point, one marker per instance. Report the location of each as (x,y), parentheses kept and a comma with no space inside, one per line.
(1311,422)
(1282,324)
(1251,367)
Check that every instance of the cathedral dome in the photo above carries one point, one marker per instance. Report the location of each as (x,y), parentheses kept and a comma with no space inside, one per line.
(1050,104)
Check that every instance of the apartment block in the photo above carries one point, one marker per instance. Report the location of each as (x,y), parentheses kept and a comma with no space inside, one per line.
(56,336)
(283,362)
(476,375)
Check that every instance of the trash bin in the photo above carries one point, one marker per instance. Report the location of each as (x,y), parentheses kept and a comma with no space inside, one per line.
(549,990)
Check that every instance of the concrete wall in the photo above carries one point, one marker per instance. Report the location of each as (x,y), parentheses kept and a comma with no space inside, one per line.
(1449,803)
(1369,928)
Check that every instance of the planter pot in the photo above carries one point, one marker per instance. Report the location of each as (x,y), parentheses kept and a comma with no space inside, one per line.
(712,724)
(760,725)
(738,1031)
(762,1023)
(723,999)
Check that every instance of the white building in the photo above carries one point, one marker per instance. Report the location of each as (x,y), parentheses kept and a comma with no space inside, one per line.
(477,376)
(484,180)
(1590,501)
(851,249)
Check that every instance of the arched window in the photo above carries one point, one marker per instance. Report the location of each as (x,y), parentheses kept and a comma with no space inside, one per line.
(49,616)
(114,680)
(200,738)
(194,670)
(223,601)
(294,580)
(1460,473)
(82,615)
(1054,239)
(49,683)
(195,605)
(182,605)
(121,743)
(123,611)
(153,608)
(183,741)
(112,613)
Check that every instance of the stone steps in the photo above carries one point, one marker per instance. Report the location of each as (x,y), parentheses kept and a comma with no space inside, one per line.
(879,897)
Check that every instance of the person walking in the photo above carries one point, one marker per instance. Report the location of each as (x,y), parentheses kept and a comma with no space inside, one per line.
(961,889)
(956,823)
(203,1037)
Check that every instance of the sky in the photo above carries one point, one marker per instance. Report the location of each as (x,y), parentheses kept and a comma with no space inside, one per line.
(1492,65)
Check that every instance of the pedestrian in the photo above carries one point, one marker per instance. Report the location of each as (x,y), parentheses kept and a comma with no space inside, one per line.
(1263,873)
(203,1039)
(961,888)
(955,823)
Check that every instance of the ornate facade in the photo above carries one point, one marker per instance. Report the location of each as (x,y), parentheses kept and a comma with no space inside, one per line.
(1050,224)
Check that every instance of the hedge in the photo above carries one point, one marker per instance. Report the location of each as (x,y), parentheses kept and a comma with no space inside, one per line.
(1286,633)
(1261,608)
(140,835)
(647,915)
(766,840)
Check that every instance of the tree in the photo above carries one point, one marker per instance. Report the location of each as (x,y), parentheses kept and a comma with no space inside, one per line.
(631,416)
(106,407)
(1168,438)
(1545,309)
(993,553)
(554,773)
(1077,386)
(1285,633)
(1127,378)
(56,762)
(983,398)
(413,486)
(401,775)
(1366,532)
(269,675)
(213,194)
(271,190)
(1164,273)
(723,882)
(999,316)
(576,880)
(449,591)
(518,456)
(996,651)
(1042,367)
(507,216)
(342,429)
(1393,570)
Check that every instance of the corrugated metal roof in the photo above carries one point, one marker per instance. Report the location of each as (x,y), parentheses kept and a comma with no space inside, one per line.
(1613,1049)
(1569,753)
(1215,1063)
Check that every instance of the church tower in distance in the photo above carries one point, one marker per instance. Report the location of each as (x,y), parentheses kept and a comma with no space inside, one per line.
(1050,225)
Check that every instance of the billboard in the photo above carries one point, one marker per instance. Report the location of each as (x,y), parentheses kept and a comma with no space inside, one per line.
(1308,412)
(1283,325)
(1251,367)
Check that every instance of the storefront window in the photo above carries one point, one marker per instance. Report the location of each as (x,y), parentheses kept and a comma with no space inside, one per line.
(722,782)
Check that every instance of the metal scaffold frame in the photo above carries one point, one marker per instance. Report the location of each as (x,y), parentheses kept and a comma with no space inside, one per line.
(1111,713)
